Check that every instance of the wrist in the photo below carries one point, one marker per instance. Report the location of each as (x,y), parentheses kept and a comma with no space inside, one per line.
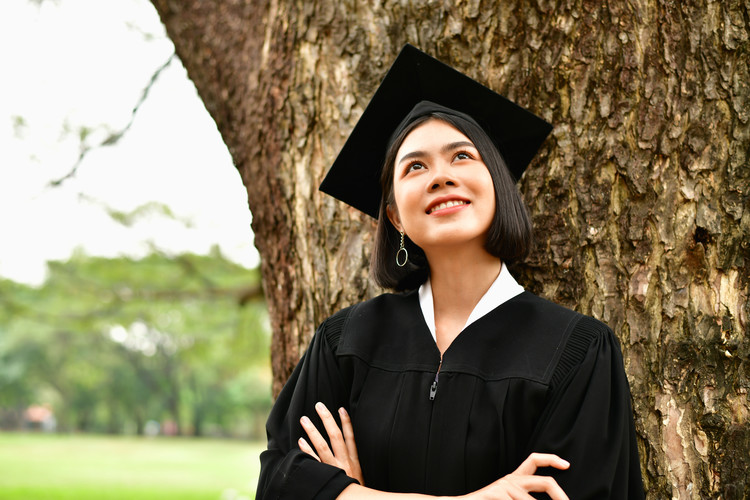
(474,495)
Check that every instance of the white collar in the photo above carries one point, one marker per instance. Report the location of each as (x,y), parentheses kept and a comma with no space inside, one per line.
(502,289)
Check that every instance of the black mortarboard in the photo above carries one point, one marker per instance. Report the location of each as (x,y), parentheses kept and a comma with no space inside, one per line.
(354,177)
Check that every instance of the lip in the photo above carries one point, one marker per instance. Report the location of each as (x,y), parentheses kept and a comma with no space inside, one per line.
(445,199)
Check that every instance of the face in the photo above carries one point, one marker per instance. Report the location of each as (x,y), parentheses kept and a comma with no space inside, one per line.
(442,189)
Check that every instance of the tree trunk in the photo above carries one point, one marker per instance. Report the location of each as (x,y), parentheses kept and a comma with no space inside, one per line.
(140,422)
(639,198)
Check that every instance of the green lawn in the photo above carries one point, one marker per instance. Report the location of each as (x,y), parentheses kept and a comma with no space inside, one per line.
(81,467)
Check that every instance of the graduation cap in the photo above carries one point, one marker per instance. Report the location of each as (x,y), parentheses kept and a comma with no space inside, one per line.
(415,77)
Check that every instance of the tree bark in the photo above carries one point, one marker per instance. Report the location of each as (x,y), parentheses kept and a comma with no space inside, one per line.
(639,198)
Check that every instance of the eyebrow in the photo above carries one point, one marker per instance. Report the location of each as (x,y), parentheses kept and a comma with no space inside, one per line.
(448,147)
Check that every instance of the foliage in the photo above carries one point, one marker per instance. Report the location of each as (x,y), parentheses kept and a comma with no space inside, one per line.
(112,343)
(84,467)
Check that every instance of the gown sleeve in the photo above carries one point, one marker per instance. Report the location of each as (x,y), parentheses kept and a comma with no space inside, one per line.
(287,472)
(589,421)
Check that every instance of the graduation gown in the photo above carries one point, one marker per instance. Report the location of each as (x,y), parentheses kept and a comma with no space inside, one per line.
(529,376)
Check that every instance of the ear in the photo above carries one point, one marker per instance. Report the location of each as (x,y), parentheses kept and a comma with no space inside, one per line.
(394,217)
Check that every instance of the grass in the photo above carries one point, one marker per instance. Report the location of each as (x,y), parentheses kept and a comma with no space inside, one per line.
(81,467)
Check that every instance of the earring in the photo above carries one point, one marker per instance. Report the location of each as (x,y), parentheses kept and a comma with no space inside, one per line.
(402,249)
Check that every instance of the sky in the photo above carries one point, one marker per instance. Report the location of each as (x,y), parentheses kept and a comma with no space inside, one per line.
(74,64)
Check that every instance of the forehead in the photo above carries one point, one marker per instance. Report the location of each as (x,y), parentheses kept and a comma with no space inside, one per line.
(430,134)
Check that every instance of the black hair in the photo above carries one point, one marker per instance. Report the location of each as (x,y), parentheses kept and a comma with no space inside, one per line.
(510,235)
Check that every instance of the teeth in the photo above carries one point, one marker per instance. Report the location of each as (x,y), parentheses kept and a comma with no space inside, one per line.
(447,204)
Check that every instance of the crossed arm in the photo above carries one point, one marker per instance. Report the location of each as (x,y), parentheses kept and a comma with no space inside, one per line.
(343,454)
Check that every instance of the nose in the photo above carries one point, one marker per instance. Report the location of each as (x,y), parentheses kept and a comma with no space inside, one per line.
(441,176)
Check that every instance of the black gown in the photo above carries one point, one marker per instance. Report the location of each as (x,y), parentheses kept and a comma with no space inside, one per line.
(529,376)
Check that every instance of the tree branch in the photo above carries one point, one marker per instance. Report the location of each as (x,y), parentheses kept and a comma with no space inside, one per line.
(114,137)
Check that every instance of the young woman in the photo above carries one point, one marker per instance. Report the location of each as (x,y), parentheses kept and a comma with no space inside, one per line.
(463,385)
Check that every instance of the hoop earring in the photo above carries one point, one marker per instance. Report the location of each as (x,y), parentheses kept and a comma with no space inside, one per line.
(402,249)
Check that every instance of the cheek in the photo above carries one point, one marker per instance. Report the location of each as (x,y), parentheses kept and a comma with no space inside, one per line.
(404,206)
(400,197)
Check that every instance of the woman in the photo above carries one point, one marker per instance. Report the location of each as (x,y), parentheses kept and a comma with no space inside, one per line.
(464,385)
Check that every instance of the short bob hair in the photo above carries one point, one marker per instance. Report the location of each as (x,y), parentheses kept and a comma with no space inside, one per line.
(510,235)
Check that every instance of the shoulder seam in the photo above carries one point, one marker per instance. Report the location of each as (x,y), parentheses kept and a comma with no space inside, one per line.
(586,329)
(333,328)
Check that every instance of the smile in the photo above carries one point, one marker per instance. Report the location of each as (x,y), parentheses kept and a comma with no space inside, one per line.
(446,204)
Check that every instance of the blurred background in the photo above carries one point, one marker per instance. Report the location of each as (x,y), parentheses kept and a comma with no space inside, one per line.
(133,332)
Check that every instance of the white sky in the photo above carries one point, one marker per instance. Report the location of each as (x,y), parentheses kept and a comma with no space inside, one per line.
(72,63)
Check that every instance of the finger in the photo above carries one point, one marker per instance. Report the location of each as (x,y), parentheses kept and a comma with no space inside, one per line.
(506,489)
(536,460)
(334,433)
(321,447)
(346,427)
(304,446)
(519,494)
(515,492)
(539,484)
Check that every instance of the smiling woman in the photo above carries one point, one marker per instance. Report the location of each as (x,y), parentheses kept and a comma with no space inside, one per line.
(443,194)
(464,385)
(509,235)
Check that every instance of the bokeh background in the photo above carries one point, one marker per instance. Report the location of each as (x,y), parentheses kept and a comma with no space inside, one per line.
(133,331)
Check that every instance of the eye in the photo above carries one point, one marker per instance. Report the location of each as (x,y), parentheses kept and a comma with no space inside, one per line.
(463,155)
(414,166)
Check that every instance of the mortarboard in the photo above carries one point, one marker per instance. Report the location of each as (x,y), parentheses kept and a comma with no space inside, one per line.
(354,177)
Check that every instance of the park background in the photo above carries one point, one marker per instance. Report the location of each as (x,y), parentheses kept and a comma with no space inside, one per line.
(134,336)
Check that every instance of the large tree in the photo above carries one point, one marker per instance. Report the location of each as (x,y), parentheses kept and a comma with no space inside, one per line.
(639,198)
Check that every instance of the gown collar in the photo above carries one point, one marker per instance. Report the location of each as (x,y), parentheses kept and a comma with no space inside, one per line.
(502,289)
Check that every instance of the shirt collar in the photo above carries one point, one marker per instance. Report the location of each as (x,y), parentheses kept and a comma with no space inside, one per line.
(502,289)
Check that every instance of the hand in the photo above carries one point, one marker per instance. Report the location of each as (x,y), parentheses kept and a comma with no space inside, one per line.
(523,480)
(344,455)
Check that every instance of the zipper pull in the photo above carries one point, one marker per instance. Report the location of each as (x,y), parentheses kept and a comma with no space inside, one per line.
(433,388)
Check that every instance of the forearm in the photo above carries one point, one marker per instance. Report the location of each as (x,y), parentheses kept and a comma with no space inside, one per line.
(357,492)
(516,485)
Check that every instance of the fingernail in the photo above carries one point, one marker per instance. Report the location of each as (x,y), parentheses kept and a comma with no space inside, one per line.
(564,463)
(320,407)
(305,421)
(343,412)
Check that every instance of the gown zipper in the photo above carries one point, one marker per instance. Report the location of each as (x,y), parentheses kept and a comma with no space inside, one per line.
(433,387)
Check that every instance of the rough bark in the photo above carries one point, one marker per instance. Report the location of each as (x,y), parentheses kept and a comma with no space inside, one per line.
(639,198)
